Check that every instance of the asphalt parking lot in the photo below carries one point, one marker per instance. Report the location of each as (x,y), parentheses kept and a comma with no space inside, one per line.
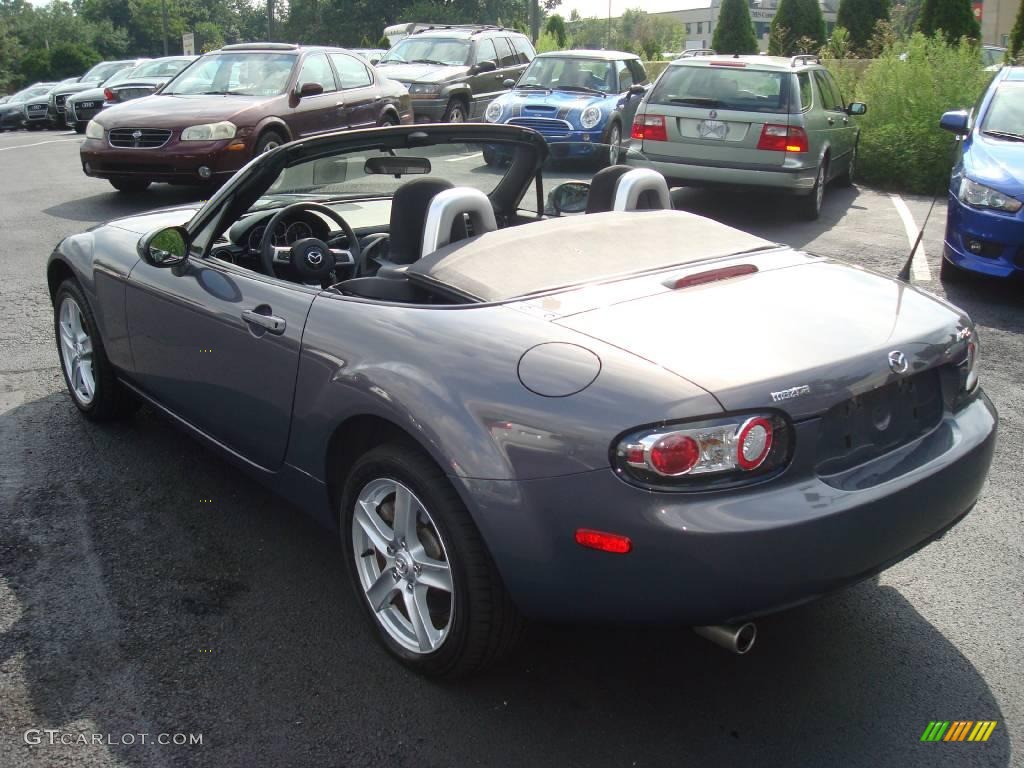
(146,587)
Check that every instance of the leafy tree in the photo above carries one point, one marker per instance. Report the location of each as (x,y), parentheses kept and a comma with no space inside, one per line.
(859,17)
(795,20)
(734,32)
(1016,45)
(69,59)
(556,28)
(10,54)
(35,66)
(954,18)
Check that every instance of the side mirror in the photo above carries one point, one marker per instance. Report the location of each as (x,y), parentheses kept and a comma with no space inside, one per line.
(955,122)
(510,83)
(486,66)
(309,89)
(637,90)
(857,108)
(570,197)
(165,247)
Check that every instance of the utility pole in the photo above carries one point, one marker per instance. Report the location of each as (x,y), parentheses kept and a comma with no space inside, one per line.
(534,20)
(270,21)
(163,9)
(609,46)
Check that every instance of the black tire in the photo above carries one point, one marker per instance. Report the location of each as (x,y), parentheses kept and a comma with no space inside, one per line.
(456,112)
(110,399)
(485,625)
(389,119)
(846,179)
(950,272)
(268,141)
(491,156)
(810,205)
(129,185)
(613,138)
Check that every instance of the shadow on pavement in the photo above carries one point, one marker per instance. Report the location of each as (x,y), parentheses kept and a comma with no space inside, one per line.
(157,589)
(115,204)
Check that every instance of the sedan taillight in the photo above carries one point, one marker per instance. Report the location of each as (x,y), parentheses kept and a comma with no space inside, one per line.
(783,138)
(649,128)
(108,94)
(706,454)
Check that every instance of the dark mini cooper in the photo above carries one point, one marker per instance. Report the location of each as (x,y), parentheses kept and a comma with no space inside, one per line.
(233,104)
(629,414)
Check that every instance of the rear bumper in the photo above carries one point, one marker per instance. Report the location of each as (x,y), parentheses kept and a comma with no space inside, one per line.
(1000,237)
(174,163)
(707,558)
(798,180)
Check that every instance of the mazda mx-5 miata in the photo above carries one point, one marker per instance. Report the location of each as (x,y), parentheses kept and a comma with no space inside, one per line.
(616,412)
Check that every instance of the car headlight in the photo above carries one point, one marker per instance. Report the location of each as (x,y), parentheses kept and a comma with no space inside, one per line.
(493,113)
(591,117)
(424,89)
(979,196)
(93,130)
(209,132)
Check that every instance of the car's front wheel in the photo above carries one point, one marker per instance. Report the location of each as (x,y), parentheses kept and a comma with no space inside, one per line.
(810,205)
(88,373)
(128,185)
(268,141)
(420,567)
(613,155)
(456,112)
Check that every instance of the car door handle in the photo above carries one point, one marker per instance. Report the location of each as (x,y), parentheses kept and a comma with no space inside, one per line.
(271,323)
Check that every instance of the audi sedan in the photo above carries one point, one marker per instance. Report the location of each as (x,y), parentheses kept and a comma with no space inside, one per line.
(629,414)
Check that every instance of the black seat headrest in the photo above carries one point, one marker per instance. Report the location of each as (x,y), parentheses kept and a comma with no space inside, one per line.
(409,208)
(601,198)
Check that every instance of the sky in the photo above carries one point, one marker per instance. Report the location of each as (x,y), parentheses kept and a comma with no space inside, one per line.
(600,7)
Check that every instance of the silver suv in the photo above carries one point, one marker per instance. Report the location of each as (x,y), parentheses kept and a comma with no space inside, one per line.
(750,121)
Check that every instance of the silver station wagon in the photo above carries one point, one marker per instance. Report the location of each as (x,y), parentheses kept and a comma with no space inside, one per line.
(755,121)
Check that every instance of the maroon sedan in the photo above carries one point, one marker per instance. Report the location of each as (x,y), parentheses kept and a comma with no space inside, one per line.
(233,104)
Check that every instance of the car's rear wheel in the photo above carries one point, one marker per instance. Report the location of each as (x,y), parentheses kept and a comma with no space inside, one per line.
(389,118)
(456,112)
(129,185)
(89,375)
(420,568)
(810,205)
(268,141)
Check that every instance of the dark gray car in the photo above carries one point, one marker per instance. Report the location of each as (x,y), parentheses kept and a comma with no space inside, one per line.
(618,415)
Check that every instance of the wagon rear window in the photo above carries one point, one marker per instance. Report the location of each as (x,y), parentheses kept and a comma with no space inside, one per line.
(744,90)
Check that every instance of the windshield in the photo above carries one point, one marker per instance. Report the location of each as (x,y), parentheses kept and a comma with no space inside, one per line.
(102,71)
(241,74)
(570,73)
(709,87)
(160,68)
(31,93)
(1006,112)
(428,50)
(121,76)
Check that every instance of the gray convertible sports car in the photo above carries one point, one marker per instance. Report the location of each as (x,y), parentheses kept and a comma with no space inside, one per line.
(579,406)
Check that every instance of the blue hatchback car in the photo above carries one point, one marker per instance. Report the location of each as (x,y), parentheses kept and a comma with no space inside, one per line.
(582,102)
(985,224)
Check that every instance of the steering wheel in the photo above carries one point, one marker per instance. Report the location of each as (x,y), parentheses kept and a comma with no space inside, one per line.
(312,259)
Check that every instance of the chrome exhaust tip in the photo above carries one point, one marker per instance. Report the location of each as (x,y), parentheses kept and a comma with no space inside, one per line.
(738,638)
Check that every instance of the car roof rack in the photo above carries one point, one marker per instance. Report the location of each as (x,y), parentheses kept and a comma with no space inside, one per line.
(474,28)
(260,47)
(690,53)
(804,58)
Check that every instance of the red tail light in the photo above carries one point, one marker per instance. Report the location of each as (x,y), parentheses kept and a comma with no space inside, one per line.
(674,455)
(108,94)
(606,542)
(649,128)
(783,138)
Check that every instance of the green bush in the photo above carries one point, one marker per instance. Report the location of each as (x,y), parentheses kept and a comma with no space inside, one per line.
(901,144)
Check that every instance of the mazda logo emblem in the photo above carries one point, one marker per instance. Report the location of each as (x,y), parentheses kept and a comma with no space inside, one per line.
(314,258)
(898,362)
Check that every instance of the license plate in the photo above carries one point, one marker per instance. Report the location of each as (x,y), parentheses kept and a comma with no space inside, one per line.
(712,129)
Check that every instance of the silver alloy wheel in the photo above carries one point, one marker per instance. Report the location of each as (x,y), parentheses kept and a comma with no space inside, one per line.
(614,144)
(76,351)
(819,191)
(456,114)
(403,565)
(270,145)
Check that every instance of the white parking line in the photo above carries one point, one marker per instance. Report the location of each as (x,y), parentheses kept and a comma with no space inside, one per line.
(464,157)
(919,269)
(38,144)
